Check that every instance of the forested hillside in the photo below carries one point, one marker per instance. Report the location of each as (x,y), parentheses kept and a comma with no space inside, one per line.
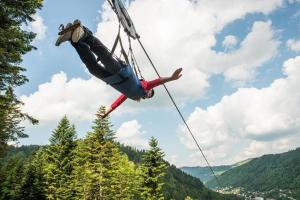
(94,167)
(178,185)
(269,173)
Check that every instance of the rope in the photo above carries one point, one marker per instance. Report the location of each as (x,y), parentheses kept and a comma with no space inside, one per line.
(123,51)
(116,41)
(191,133)
(134,67)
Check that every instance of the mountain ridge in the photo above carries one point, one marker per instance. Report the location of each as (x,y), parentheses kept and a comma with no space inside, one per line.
(272,174)
(205,174)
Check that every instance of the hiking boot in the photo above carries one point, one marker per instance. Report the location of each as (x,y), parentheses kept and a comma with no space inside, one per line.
(64,37)
(77,21)
(77,34)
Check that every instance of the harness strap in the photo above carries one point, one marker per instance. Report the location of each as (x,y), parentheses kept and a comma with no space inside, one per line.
(118,39)
(116,42)
(131,56)
(123,51)
(137,69)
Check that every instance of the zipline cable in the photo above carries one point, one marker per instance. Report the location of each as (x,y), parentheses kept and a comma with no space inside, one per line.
(172,99)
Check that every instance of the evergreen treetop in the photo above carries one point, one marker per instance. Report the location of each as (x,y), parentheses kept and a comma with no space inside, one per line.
(64,133)
(153,167)
(102,126)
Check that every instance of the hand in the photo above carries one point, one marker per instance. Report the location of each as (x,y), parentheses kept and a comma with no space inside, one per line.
(102,115)
(107,112)
(176,74)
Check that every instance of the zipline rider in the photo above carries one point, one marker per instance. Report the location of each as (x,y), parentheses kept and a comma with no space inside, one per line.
(113,71)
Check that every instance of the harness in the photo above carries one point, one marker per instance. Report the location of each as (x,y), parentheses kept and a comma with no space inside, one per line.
(126,82)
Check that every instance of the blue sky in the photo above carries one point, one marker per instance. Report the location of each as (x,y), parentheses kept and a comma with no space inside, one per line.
(238,90)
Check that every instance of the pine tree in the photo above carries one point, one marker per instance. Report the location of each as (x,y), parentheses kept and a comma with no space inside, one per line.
(129,179)
(80,175)
(153,168)
(60,156)
(101,170)
(14,42)
(95,161)
(33,183)
(10,187)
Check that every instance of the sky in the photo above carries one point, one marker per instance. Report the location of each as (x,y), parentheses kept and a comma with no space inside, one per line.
(239,92)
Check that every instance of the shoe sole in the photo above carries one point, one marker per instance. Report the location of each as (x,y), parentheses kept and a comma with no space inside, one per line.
(71,28)
(77,34)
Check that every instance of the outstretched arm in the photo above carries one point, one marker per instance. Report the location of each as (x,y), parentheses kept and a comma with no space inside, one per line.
(156,82)
(176,75)
(113,106)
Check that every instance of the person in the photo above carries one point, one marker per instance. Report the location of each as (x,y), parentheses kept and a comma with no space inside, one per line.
(112,70)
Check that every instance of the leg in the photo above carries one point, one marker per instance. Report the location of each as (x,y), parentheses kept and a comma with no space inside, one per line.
(90,61)
(110,63)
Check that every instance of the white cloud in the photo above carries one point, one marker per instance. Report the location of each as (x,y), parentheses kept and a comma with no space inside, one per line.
(129,133)
(258,148)
(293,45)
(38,27)
(240,65)
(173,159)
(250,115)
(77,98)
(239,150)
(229,41)
(296,14)
(293,1)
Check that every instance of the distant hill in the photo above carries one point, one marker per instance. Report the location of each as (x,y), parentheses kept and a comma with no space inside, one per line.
(24,151)
(270,174)
(241,163)
(204,173)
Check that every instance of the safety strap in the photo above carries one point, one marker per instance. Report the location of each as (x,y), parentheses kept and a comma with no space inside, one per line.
(131,56)
(136,67)
(123,51)
(116,41)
